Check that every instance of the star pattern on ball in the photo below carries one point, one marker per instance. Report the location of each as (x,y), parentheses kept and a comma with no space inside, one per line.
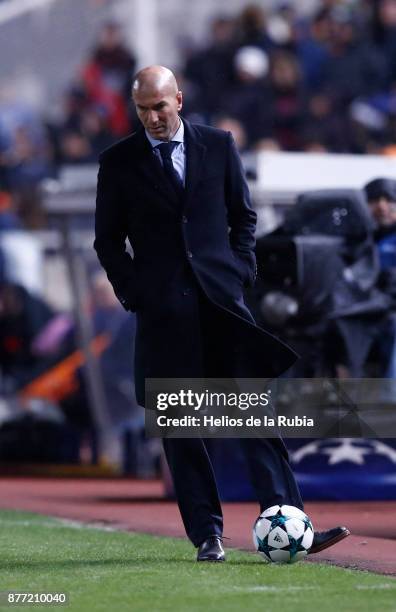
(263,547)
(277,521)
(295,546)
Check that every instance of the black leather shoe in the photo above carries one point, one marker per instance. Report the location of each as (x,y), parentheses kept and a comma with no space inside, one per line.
(211,549)
(324,539)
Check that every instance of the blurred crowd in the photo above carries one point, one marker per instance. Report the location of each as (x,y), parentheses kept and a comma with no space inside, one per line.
(324,83)
(95,112)
(277,80)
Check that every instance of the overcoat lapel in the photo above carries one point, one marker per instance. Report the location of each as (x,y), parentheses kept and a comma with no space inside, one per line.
(195,155)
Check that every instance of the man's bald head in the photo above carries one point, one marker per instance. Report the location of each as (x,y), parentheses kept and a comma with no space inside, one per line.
(155,79)
(158,101)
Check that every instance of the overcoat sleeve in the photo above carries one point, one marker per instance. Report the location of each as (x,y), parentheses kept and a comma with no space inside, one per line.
(241,216)
(111,234)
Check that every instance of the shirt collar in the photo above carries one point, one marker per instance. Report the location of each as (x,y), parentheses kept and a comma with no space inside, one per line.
(178,136)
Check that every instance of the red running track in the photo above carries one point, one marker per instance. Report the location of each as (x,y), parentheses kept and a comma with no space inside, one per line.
(139,506)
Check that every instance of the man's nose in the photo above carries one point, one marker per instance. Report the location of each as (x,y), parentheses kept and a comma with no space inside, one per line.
(153,117)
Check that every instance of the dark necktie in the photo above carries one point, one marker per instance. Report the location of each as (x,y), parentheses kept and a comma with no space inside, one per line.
(165,149)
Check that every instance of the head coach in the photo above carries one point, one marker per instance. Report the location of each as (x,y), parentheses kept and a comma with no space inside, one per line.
(177,192)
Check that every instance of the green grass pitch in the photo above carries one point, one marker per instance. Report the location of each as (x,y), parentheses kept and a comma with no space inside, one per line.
(112,570)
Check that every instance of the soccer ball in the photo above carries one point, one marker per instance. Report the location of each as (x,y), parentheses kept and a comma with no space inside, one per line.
(283,534)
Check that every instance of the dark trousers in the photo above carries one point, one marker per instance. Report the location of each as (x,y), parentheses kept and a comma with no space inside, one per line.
(192,472)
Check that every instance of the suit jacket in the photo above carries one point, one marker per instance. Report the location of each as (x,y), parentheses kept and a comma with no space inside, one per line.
(204,239)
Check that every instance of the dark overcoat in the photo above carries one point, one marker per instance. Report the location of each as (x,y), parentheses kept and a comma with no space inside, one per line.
(204,239)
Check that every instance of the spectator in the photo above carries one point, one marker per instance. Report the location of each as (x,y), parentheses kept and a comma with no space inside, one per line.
(287,100)
(282,27)
(247,99)
(107,77)
(74,102)
(210,69)
(84,142)
(229,124)
(354,67)
(22,317)
(24,155)
(312,50)
(381,198)
(384,33)
(251,29)
(8,219)
(27,158)
(324,128)
(23,144)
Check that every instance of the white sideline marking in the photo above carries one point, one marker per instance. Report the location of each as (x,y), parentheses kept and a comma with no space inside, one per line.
(58,523)
(275,589)
(365,587)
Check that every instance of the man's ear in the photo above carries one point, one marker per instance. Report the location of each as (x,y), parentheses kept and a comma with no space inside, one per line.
(179,100)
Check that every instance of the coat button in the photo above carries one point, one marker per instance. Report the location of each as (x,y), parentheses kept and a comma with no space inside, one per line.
(184,219)
(189,254)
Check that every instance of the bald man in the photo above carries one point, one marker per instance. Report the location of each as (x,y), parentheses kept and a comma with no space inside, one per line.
(177,192)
